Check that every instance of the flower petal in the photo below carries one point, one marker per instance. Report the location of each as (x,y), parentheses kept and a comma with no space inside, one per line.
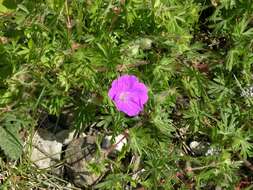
(141,91)
(132,107)
(113,93)
(128,94)
(124,82)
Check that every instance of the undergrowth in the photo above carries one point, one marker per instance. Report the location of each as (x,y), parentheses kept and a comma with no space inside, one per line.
(60,57)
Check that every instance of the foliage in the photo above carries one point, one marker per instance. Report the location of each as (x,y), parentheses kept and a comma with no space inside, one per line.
(195,57)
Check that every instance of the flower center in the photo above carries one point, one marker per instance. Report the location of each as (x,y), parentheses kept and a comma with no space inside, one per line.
(123,96)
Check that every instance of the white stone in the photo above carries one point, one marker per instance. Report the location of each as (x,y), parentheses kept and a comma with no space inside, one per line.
(120,144)
(46,150)
(65,136)
(194,144)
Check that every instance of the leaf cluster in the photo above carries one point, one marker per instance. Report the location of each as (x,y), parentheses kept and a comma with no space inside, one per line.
(196,57)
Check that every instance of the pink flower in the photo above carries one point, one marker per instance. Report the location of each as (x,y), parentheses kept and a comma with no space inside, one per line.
(128,94)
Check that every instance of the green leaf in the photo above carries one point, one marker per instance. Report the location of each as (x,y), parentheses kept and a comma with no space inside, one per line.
(7,5)
(232,59)
(5,65)
(10,142)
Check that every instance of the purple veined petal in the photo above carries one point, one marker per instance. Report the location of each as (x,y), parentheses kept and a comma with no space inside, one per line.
(128,94)
(121,96)
(136,100)
(142,97)
(141,91)
(130,107)
(124,82)
(112,93)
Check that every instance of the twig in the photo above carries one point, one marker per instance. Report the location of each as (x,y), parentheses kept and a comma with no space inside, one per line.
(2,14)
(248,164)
(190,169)
(69,25)
(245,162)
(121,68)
(8,108)
(113,146)
(137,64)
(186,148)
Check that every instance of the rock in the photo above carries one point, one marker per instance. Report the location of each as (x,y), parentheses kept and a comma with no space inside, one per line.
(212,151)
(247,92)
(46,150)
(199,148)
(194,144)
(80,153)
(119,140)
(203,149)
(65,136)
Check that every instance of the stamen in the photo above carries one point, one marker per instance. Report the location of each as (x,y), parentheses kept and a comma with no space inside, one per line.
(123,96)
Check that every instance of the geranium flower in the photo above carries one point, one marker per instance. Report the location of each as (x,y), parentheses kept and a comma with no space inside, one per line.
(128,94)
